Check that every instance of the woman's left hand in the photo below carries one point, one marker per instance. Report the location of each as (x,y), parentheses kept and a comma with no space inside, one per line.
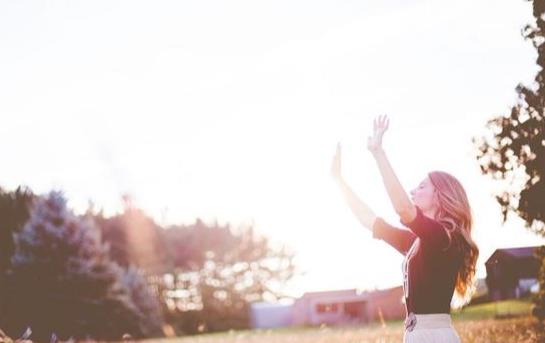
(380,125)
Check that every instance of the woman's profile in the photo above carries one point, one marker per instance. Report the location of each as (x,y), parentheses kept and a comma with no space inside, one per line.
(440,255)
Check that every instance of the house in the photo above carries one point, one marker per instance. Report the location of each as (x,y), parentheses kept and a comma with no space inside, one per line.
(511,272)
(331,307)
(349,306)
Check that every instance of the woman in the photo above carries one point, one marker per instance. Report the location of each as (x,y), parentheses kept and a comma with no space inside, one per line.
(440,255)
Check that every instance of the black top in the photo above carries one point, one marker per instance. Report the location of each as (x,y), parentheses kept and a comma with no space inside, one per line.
(431,262)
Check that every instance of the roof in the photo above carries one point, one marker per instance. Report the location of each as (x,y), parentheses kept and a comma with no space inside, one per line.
(264,304)
(349,294)
(520,252)
(344,292)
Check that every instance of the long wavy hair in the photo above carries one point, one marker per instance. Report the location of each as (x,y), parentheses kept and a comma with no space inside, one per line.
(455,213)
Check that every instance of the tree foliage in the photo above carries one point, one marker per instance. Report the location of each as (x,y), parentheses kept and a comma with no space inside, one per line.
(514,148)
(206,274)
(63,283)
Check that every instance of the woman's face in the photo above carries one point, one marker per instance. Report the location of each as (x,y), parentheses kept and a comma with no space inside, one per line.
(424,196)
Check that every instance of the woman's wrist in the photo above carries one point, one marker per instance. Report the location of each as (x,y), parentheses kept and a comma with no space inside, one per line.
(378,152)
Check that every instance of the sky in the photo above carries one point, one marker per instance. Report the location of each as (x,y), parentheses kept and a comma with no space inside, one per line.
(231,111)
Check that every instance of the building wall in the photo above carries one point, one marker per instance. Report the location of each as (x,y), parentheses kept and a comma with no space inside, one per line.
(299,316)
(389,303)
(263,315)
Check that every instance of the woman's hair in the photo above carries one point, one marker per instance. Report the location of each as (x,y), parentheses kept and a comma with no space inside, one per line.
(455,214)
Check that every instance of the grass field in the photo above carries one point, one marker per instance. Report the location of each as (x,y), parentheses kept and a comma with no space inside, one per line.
(501,322)
(498,309)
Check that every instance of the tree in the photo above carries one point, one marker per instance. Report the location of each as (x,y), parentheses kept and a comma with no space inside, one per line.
(205,275)
(147,302)
(134,239)
(64,283)
(514,150)
(220,272)
(14,212)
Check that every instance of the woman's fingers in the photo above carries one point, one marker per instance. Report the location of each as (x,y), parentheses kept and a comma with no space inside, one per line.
(381,123)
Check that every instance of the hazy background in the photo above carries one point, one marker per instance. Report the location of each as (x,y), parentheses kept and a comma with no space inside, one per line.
(230,111)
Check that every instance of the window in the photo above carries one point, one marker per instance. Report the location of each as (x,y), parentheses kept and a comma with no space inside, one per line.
(327,308)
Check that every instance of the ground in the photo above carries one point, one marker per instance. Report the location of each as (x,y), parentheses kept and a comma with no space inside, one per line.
(505,322)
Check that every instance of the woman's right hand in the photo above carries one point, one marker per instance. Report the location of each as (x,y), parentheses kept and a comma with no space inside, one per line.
(336,164)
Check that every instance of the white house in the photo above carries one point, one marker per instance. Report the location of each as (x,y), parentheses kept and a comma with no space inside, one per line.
(331,307)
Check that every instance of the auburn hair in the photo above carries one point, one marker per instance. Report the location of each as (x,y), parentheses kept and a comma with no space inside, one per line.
(455,213)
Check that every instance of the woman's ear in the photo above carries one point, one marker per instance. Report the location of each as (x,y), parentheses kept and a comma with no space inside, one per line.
(436,197)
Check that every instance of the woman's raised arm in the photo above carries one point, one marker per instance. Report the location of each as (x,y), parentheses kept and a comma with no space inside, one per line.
(398,238)
(364,214)
(399,198)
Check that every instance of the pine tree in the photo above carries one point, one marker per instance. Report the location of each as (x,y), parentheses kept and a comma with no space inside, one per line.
(63,281)
(146,301)
(14,212)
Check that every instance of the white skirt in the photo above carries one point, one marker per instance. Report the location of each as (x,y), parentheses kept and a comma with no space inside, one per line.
(430,328)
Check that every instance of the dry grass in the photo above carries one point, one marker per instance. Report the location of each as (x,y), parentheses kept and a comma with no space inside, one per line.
(515,330)
(519,330)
